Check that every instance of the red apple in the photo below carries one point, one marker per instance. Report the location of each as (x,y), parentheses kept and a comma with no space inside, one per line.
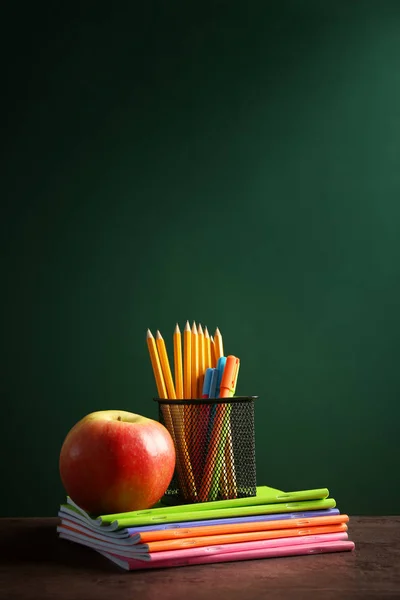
(115,461)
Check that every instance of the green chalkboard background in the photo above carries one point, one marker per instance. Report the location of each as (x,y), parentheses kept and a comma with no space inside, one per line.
(236,163)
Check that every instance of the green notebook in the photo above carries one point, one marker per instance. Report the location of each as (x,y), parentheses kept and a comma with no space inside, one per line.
(153,519)
(267,501)
(221,513)
(264,495)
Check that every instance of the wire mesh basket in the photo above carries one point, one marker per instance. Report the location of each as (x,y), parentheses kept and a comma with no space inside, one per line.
(215,448)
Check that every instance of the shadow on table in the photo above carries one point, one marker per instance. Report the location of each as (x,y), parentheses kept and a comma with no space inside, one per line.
(36,541)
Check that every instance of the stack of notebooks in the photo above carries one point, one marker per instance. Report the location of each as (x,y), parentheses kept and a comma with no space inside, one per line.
(271,524)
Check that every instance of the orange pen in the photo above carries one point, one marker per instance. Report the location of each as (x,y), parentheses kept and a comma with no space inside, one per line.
(227,389)
(229,377)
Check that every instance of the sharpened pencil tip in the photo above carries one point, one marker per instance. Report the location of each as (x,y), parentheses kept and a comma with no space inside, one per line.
(149,334)
(177,330)
(158,335)
(206,334)
(194,328)
(187,326)
(200,329)
(217,332)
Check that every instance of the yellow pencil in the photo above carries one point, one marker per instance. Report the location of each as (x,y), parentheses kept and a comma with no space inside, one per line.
(187,362)
(161,387)
(202,359)
(219,346)
(207,350)
(187,410)
(178,416)
(213,359)
(178,363)
(187,386)
(185,474)
(155,362)
(195,361)
(162,351)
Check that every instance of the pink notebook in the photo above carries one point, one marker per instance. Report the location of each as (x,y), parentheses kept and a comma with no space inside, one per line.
(335,542)
(142,554)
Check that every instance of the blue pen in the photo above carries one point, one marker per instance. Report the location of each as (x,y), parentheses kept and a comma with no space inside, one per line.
(220,368)
(207,383)
(214,391)
(213,383)
(210,383)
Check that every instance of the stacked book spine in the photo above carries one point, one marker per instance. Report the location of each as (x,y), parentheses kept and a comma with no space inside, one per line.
(271,524)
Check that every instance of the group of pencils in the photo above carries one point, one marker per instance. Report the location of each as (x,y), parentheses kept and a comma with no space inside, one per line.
(200,352)
(201,433)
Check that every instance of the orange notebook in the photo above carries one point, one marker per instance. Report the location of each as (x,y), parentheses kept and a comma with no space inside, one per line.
(233,538)
(191,532)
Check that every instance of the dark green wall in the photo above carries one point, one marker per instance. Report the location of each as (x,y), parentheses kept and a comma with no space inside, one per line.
(236,163)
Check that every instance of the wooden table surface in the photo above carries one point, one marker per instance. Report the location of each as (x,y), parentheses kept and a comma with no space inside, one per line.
(35,564)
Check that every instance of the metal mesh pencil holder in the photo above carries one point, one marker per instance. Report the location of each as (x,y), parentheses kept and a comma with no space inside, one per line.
(215,448)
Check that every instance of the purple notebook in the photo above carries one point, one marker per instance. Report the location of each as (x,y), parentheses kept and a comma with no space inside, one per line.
(275,517)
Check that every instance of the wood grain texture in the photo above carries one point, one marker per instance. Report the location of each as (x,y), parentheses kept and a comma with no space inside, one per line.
(35,564)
